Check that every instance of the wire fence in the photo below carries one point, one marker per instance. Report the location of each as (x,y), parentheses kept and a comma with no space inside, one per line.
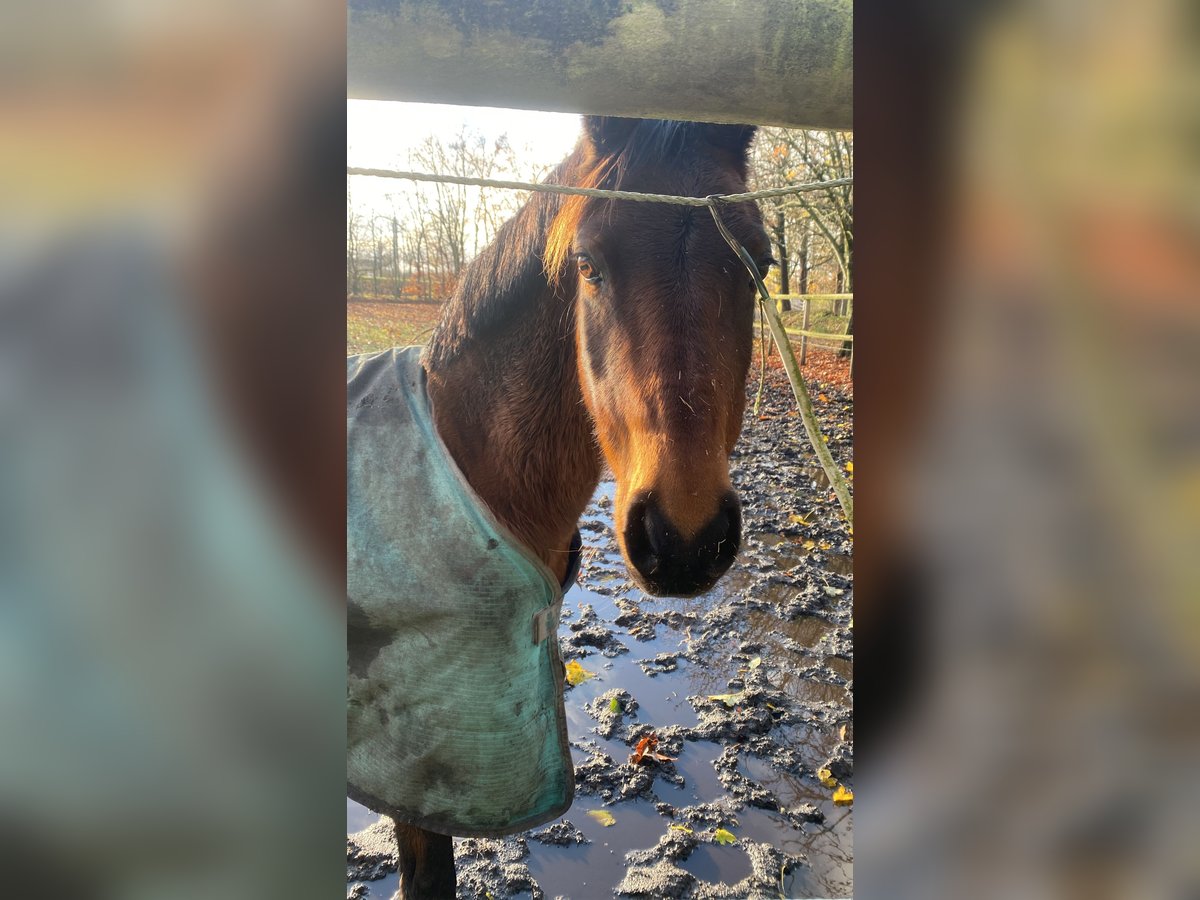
(711,201)
(544,187)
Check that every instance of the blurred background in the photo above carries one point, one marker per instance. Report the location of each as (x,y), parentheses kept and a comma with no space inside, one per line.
(1028,449)
(171,512)
(172,228)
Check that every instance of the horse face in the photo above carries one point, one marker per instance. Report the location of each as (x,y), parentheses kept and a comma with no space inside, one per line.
(664,335)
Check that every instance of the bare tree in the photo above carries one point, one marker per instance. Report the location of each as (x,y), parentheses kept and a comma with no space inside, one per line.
(433,230)
(353,245)
(787,156)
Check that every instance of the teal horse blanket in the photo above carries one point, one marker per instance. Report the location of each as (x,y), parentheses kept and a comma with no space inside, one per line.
(455,719)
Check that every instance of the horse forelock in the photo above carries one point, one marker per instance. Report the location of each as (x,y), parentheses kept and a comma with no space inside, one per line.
(655,148)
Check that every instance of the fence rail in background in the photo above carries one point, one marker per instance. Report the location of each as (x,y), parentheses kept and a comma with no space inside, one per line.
(805,333)
(812,296)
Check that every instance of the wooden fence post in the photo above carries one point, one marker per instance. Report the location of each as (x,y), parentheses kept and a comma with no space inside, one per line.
(804,338)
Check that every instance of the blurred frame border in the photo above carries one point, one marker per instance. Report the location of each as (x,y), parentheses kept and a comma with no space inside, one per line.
(172,484)
(1027,449)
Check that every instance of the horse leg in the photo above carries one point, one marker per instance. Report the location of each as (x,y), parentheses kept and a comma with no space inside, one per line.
(426,864)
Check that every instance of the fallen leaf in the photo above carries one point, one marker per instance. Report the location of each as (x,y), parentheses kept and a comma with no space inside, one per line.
(849,467)
(682,828)
(799,520)
(603,816)
(825,545)
(577,674)
(644,746)
(843,796)
(721,836)
(826,778)
(822,398)
(842,733)
(809,545)
(615,705)
(647,748)
(755,663)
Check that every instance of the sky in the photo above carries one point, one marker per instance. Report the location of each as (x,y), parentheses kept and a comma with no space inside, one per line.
(380,134)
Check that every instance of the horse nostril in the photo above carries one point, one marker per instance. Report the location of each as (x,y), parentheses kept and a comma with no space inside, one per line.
(657,530)
(724,532)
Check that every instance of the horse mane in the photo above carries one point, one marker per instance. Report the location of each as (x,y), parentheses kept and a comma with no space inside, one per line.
(530,252)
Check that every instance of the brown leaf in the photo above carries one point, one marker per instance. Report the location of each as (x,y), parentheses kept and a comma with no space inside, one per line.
(644,746)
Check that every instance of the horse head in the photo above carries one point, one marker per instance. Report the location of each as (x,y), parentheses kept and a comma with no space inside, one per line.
(664,333)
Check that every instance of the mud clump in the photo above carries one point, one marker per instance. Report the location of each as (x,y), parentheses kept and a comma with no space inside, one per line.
(494,868)
(587,634)
(660,880)
(660,665)
(560,834)
(372,854)
(610,710)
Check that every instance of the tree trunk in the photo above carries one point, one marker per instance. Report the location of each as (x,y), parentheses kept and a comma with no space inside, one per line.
(805,234)
(848,346)
(781,245)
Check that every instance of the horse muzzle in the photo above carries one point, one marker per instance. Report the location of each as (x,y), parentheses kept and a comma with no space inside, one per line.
(667,563)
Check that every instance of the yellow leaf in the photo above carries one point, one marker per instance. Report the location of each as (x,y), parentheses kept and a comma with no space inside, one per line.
(822,398)
(799,520)
(810,545)
(849,467)
(577,674)
(756,662)
(682,828)
(603,816)
(826,778)
(825,545)
(721,836)
(843,796)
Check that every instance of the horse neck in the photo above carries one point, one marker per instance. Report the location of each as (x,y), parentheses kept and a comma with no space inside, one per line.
(509,409)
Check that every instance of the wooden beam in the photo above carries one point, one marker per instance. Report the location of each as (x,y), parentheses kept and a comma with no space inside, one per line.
(771,62)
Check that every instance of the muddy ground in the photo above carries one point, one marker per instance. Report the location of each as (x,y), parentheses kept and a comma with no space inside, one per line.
(747,688)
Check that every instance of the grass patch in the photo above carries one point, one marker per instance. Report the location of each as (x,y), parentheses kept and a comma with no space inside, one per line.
(374,325)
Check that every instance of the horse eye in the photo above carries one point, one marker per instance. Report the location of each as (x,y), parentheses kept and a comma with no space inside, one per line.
(587,268)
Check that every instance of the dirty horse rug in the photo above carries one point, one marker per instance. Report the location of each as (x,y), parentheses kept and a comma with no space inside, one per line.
(455,719)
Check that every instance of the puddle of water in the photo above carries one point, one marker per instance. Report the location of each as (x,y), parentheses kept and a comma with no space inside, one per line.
(766,628)
(718,864)
(696,765)
(790,789)
(358,817)
(383,889)
(593,870)
(829,870)
(828,845)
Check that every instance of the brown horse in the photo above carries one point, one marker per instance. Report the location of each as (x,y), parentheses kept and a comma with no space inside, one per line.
(599,330)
